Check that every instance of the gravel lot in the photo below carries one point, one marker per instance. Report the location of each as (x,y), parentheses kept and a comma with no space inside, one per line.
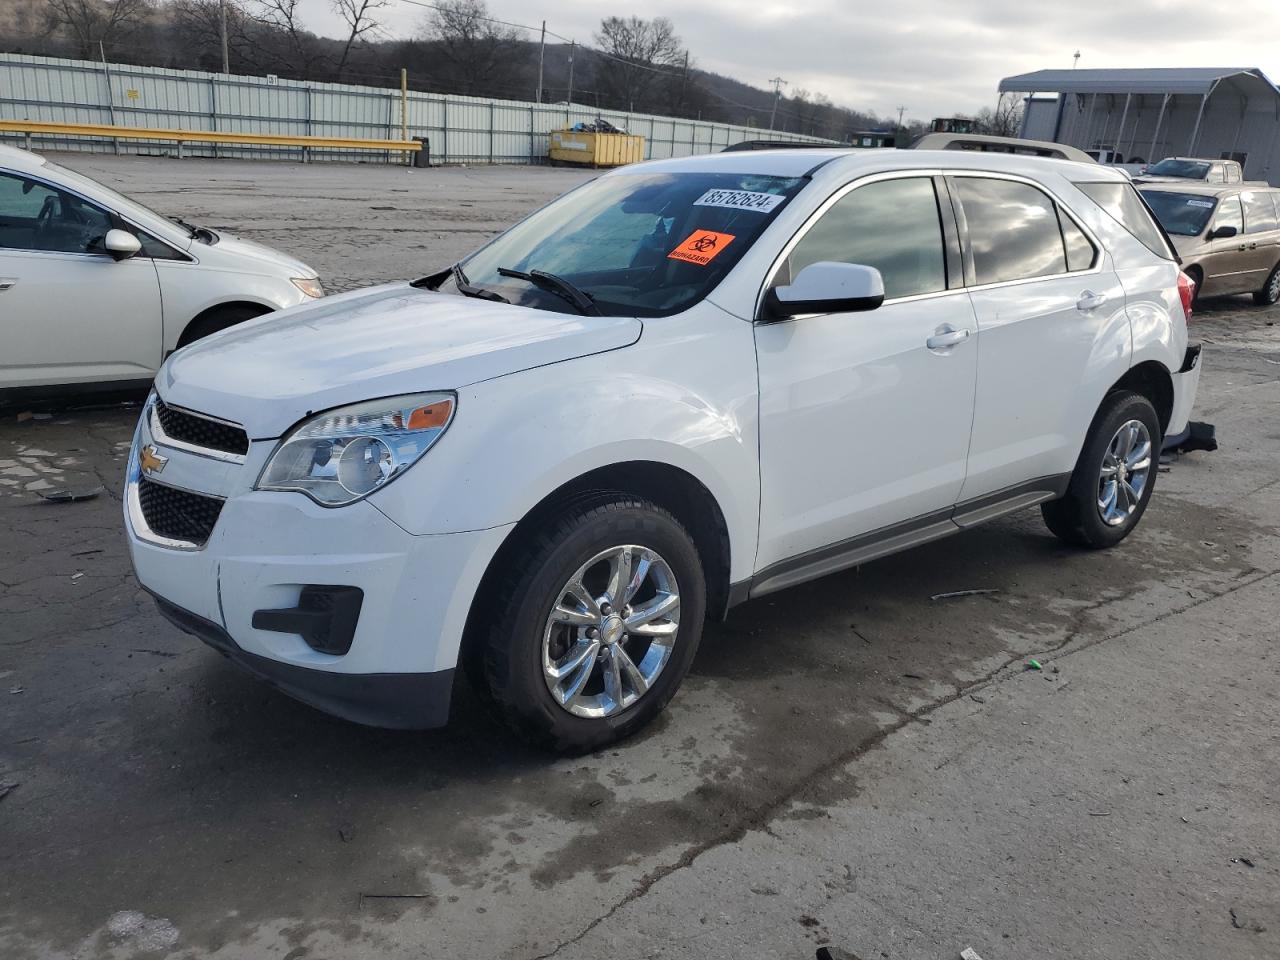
(850,762)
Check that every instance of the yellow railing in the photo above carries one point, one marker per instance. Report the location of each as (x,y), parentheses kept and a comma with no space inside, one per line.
(41,128)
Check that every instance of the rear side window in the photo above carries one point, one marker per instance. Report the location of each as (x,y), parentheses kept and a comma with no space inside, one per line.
(1013,230)
(1259,211)
(1122,203)
(892,225)
(1080,252)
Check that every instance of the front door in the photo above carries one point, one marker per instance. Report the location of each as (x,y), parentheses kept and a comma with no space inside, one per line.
(1227,266)
(862,424)
(69,312)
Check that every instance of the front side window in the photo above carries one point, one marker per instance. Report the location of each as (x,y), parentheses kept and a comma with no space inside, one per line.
(892,225)
(34,216)
(1259,211)
(1013,230)
(634,244)
(1229,214)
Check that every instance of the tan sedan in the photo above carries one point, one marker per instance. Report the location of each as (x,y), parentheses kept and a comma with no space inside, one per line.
(1228,237)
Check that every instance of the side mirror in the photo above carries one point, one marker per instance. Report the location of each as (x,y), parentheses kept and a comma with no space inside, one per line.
(121,244)
(1220,233)
(826,287)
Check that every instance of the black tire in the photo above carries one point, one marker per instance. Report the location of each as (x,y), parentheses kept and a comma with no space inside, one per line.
(1270,292)
(1076,518)
(508,663)
(219,319)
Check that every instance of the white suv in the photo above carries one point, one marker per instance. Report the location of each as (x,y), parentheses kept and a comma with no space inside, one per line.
(685,384)
(96,290)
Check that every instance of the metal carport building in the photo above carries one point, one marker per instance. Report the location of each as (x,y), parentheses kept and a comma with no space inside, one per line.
(1160,112)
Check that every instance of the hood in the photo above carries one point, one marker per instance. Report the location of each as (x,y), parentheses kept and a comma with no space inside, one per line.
(233,246)
(1186,247)
(271,372)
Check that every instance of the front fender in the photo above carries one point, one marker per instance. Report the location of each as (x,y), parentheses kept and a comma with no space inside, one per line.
(684,395)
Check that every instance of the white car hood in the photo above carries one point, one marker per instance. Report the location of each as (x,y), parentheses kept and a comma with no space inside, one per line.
(269,373)
(232,246)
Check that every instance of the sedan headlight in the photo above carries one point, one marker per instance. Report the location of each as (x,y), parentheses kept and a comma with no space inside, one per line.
(345,454)
(309,285)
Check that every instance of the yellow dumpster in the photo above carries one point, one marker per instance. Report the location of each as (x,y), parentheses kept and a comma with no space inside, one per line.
(596,149)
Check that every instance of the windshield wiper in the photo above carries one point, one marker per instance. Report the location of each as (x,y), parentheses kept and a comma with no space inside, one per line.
(467,290)
(558,285)
(189,227)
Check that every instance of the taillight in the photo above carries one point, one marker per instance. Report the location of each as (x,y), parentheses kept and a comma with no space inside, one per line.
(1187,291)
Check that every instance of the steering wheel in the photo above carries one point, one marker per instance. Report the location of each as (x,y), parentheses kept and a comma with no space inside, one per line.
(44,219)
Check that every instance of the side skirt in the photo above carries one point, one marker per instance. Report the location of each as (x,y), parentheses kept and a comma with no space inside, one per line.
(898,537)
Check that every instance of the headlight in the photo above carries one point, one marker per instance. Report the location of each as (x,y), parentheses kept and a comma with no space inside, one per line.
(309,285)
(344,454)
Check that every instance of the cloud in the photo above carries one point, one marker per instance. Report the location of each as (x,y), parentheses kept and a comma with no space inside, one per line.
(935,57)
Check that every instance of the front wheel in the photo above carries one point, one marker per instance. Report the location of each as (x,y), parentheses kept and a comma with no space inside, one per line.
(594,625)
(1114,477)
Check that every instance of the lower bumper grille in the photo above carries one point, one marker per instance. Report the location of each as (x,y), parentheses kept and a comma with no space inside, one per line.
(178,514)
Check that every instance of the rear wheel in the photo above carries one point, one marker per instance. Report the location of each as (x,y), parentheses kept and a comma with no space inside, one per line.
(1270,291)
(1114,477)
(595,624)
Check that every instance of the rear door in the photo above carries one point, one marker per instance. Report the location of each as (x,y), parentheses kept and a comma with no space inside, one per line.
(1053,333)
(69,312)
(1261,235)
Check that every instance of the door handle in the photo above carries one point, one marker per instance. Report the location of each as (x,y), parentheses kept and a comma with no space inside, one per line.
(6,283)
(1090,301)
(946,336)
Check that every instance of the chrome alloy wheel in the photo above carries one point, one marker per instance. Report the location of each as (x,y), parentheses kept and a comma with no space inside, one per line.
(611,631)
(1126,467)
(1273,287)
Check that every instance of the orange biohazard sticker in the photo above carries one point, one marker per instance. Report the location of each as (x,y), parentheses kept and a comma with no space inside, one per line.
(701,247)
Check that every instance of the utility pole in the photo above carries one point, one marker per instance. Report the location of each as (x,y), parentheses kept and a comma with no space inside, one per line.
(778,84)
(573,45)
(542,49)
(901,111)
(1075,60)
(222,29)
(684,81)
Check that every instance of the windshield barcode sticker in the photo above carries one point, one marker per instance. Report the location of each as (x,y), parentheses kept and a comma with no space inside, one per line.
(739,200)
(1200,203)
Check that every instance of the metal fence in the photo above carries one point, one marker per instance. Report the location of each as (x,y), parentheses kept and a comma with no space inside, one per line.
(460,129)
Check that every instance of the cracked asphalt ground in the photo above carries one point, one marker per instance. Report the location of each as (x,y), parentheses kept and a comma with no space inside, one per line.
(850,762)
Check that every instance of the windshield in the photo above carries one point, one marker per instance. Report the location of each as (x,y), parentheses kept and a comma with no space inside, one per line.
(1182,214)
(1186,169)
(119,201)
(634,244)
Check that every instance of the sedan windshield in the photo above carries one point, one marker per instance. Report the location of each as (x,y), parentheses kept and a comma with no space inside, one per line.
(1186,169)
(629,244)
(1183,214)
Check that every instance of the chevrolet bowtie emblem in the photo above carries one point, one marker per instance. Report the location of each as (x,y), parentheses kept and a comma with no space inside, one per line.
(151,461)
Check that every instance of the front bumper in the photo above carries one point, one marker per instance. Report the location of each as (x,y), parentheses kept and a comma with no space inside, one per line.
(267,549)
(397,701)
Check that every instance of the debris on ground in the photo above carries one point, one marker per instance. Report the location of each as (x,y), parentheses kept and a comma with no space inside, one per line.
(16,690)
(961,593)
(835,953)
(6,787)
(70,496)
(77,576)
(1033,664)
(1245,922)
(346,833)
(968,953)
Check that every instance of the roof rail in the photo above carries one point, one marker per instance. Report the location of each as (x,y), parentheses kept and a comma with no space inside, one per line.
(989,144)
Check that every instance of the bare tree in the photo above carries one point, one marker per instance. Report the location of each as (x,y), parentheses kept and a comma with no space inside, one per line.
(91,22)
(1005,120)
(480,52)
(643,55)
(198,34)
(359,18)
(298,53)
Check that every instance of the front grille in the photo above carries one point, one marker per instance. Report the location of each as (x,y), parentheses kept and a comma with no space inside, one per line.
(201,431)
(178,514)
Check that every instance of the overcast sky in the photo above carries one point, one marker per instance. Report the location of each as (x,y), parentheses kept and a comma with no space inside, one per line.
(935,57)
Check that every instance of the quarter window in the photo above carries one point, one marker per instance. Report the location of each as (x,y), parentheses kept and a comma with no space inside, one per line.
(892,225)
(1080,251)
(1259,211)
(1013,230)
